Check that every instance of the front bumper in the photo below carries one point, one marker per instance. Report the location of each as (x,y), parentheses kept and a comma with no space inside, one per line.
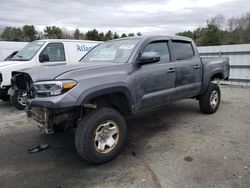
(4,93)
(65,100)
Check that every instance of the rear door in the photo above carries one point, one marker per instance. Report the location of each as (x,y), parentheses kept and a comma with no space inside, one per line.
(188,69)
(155,82)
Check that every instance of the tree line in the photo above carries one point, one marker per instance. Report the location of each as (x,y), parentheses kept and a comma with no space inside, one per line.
(29,33)
(217,31)
(221,31)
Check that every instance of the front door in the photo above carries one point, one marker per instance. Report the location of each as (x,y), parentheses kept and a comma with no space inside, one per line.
(155,82)
(55,53)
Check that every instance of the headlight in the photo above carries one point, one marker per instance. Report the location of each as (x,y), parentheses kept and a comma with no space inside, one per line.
(48,88)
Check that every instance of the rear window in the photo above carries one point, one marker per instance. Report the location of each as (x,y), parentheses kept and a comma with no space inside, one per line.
(183,49)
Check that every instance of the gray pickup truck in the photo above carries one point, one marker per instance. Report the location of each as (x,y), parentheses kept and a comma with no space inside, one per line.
(116,79)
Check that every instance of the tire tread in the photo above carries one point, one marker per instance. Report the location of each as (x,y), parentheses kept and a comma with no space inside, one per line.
(204,100)
(83,129)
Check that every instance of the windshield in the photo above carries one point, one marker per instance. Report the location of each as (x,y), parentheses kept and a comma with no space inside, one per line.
(28,52)
(115,51)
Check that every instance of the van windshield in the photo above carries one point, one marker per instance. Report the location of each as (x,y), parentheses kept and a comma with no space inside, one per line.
(114,51)
(28,52)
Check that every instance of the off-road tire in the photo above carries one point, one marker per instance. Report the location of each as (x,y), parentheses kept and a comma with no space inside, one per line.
(204,99)
(86,130)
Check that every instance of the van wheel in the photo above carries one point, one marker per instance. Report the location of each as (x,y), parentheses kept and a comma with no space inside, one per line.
(18,101)
(210,100)
(100,135)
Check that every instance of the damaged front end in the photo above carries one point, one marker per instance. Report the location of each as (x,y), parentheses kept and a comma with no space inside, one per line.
(49,120)
(21,87)
(52,120)
(40,116)
(22,82)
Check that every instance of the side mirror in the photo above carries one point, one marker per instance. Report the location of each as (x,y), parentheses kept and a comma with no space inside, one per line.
(148,57)
(43,58)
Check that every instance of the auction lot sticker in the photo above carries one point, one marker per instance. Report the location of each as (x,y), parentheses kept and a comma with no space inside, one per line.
(126,47)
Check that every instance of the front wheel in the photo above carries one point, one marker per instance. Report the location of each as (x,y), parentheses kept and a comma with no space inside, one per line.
(100,135)
(18,100)
(210,100)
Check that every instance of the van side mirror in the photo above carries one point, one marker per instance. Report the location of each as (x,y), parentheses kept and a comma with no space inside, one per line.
(43,58)
(148,57)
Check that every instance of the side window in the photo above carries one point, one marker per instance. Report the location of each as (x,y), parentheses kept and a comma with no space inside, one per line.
(183,49)
(55,52)
(161,47)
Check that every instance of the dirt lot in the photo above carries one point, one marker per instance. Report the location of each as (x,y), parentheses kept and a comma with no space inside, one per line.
(176,146)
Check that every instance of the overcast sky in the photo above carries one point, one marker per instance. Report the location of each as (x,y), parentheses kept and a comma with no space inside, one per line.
(123,16)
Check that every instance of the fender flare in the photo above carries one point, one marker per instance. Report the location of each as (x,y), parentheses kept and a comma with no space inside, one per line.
(206,81)
(105,89)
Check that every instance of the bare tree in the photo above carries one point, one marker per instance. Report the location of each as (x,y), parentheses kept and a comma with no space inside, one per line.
(218,21)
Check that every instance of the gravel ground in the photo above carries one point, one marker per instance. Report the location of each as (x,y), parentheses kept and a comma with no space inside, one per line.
(175,146)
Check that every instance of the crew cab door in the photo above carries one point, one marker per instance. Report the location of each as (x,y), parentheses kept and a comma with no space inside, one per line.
(155,82)
(188,69)
(53,54)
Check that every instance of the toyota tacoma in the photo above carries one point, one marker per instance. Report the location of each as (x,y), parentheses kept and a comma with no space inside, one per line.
(116,79)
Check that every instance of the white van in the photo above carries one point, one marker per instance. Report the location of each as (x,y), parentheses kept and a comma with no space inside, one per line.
(49,52)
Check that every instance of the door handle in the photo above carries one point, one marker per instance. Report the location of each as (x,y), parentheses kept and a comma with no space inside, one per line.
(171,70)
(197,66)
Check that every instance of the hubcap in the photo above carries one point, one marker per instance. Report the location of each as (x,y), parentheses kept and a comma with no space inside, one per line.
(21,98)
(214,99)
(106,136)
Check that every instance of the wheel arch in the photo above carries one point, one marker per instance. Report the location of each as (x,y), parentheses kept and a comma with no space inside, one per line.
(217,75)
(118,96)
(210,77)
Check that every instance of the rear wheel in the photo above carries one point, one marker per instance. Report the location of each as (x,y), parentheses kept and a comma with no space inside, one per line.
(18,100)
(210,100)
(100,135)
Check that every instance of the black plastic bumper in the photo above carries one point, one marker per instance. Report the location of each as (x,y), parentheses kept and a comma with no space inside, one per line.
(4,93)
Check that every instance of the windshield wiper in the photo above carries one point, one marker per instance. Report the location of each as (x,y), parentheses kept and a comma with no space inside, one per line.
(20,56)
(17,59)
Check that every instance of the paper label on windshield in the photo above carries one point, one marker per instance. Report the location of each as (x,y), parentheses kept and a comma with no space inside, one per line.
(40,43)
(126,47)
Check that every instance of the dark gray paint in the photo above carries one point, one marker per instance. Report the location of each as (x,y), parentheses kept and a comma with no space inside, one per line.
(145,86)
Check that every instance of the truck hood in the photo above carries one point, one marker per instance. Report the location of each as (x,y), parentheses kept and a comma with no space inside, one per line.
(50,73)
(4,64)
